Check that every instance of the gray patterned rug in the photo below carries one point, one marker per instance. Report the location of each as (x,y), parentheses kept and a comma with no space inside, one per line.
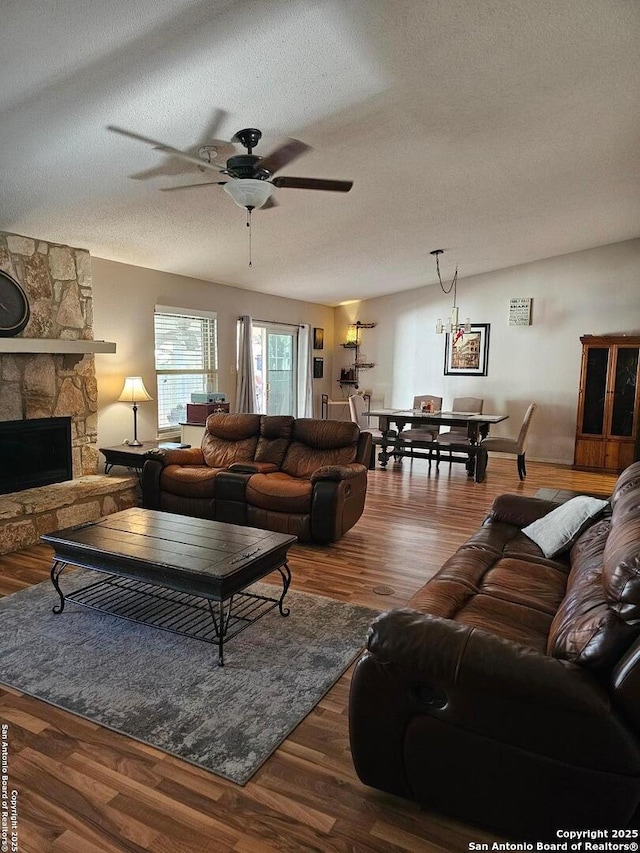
(168,690)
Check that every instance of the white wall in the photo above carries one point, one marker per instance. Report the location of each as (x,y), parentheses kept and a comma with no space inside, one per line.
(123,299)
(591,292)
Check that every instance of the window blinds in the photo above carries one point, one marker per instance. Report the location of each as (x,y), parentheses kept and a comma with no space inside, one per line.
(186,361)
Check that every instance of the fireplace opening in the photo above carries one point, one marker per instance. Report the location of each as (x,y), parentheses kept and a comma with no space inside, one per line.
(34,453)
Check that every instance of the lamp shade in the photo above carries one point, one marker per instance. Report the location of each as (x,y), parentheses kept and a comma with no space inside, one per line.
(134,391)
(352,334)
(247,192)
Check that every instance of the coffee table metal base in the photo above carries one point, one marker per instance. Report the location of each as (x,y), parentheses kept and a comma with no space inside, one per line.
(198,617)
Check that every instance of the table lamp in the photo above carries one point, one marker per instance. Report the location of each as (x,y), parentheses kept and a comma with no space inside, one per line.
(134,392)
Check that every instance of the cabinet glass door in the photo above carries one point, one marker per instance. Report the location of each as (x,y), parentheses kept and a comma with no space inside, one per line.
(624,395)
(595,391)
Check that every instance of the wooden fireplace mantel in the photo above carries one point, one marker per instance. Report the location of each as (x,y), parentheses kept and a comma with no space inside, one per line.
(55,345)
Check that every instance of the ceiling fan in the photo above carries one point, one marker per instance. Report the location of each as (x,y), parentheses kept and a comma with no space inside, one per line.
(250,177)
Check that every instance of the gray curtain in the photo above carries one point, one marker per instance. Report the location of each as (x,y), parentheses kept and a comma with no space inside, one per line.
(246,382)
(305,372)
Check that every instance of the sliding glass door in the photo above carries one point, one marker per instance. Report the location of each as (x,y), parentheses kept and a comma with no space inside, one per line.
(275,351)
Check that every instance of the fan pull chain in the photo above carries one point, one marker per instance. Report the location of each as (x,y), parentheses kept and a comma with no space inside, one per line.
(249,209)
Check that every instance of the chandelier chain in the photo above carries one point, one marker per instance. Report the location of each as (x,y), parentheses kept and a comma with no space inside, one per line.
(454,280)
(452,324)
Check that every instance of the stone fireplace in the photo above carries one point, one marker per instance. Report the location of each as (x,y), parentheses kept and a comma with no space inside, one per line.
(40,380)
(57,281)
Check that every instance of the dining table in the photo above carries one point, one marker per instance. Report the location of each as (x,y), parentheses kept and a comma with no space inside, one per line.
(472,454)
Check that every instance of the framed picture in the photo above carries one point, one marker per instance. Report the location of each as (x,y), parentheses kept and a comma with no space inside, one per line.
(318,368)
(467,353)
(318,338)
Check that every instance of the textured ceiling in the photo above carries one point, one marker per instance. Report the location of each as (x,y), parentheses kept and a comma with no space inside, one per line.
(503,131)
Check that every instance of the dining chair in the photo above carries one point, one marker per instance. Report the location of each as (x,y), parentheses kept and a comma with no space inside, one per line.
(357,409)
(514,446)
(458,435)
(428,432)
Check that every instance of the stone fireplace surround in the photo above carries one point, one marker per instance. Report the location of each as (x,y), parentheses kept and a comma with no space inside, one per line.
(57,281)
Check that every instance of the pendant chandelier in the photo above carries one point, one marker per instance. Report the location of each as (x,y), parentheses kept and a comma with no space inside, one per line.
(452,324)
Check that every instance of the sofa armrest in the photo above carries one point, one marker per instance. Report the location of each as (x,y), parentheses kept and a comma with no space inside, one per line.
(419,664)
(152,469)
(337,501)
(625,685)
(519,510)
(458,655)
(338,472)
(184,456)
(150,481)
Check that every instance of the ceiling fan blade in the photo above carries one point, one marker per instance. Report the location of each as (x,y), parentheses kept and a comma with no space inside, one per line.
(191,186)
(283,156)
(211,131)
(167,149)
(313,184)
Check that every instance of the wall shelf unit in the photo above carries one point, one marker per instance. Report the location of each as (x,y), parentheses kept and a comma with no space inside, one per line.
(349,376)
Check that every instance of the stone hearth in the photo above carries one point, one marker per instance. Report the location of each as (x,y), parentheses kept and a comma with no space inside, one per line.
(26,515)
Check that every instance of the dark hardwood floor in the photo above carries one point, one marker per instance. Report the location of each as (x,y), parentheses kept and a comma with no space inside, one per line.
(84,789)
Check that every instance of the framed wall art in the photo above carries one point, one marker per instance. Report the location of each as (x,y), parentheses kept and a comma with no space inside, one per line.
(318,368)
(467,353)
(318,338)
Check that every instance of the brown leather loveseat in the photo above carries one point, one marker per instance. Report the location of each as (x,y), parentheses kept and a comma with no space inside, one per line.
(302,476)
(508,692)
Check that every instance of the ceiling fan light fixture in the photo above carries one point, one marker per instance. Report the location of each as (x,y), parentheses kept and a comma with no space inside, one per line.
(249,193)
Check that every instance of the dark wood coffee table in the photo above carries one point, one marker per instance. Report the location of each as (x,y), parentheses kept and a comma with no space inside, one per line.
(168,570)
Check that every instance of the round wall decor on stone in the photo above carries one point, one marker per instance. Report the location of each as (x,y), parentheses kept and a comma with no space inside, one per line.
(14,306)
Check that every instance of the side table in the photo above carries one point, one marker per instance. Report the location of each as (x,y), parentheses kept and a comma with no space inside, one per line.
(133,457)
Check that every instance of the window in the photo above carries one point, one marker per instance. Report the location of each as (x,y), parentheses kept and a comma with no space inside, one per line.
(186,355)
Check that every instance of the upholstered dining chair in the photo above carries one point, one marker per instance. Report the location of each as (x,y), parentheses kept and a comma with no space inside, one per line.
(459,435)
(357,409)
(428,432)
(515,446)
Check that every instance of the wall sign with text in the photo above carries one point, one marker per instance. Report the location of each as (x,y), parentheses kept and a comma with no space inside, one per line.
(520,312)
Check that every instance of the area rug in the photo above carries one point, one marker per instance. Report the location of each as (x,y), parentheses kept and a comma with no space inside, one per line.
(167,690)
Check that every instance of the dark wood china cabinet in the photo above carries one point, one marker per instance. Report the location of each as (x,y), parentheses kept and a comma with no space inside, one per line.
(607,435)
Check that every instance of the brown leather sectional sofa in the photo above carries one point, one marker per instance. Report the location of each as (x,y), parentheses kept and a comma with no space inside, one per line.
(508,692)
(304,477)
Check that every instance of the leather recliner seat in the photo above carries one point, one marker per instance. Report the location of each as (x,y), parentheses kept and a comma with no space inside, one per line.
(304,477)
(507,693)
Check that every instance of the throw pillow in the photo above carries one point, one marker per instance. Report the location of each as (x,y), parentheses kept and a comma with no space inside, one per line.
(558,530)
